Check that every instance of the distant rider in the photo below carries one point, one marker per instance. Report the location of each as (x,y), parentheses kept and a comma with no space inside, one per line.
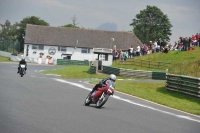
(22,62)
(111,81)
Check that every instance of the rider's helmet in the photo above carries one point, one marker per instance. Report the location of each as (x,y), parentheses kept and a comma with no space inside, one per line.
(112,77)
(23,58)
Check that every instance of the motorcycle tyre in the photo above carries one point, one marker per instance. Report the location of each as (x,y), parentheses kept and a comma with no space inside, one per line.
(103,102)
(89,101)
(22,73)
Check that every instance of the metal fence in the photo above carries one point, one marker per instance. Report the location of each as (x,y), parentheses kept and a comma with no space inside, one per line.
(183,84)
(10,46)
(147,64)
(72,62)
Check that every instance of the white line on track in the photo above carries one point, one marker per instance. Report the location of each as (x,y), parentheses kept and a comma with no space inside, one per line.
(131,102)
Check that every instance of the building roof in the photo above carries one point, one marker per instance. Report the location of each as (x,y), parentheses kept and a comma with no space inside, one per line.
(76,37)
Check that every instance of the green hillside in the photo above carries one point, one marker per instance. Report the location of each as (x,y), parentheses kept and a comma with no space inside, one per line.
(182,62)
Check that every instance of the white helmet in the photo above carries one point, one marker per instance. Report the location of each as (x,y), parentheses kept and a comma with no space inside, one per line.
(112,77)
(23,58)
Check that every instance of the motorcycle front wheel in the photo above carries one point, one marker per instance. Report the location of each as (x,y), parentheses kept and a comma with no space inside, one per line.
(21,73)
(102,101)
(88,101)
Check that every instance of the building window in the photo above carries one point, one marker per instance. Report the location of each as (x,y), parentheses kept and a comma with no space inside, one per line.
(34,47)
(62,49)
(41,47)
(103,57)
(84,50)
(38,47)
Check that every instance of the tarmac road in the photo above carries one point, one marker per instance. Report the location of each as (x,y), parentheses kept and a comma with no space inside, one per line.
(38,103)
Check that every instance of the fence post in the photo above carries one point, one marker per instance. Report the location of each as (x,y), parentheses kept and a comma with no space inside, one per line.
(3,45)
(158,64)
(18,47)
(13,45)
(149,64)
(7,45)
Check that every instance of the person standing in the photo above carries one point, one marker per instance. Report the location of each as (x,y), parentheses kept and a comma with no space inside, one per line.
(138,50)
(185,43)
(155,46)
(131,51)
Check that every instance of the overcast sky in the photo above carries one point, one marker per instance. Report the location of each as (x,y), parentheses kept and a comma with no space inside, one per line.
(115,15)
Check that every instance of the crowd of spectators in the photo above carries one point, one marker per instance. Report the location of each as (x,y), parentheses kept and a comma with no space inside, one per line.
(183,44)
(187,43)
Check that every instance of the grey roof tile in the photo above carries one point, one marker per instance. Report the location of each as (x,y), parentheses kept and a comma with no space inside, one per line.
(62,36)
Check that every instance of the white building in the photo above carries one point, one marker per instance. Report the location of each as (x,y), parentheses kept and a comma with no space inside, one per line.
(74,43)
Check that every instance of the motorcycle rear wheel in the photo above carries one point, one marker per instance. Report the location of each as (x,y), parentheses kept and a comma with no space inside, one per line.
(102,101)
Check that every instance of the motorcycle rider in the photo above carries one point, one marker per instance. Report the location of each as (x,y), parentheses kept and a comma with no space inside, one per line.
(111,81)
(22,62)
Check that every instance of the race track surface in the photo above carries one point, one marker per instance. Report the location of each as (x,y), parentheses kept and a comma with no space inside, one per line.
(38,103)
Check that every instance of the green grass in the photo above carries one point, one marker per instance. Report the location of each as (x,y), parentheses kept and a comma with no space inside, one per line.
(157,93)
(183,62)
(4,59)
(75,72)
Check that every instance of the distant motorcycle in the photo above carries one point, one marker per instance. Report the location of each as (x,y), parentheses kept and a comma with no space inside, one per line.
(100,96)
(22,70)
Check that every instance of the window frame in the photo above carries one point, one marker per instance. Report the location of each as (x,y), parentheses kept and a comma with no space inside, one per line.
(85,50)
(37,47)
(60,49)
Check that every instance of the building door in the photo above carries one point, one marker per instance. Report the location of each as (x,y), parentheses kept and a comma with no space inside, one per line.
(66,56)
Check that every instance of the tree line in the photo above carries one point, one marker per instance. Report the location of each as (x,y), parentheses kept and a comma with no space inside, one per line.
(151,24)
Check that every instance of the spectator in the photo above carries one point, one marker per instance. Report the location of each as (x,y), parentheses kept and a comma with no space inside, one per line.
(143,49)
(122,56)
(166,49)
(113,54)
(197,38)
(185,43)
(180,48)
(189,42)
(138,50)
(175,47)
(199,42)
(146,48)
(153,47)
(131,52)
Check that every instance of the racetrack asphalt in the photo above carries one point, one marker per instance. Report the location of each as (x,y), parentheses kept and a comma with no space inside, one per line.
(48,104)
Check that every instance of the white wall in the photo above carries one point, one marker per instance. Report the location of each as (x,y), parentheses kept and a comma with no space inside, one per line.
(109,62)
(75,52)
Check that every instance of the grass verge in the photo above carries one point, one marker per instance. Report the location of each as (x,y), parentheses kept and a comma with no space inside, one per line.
(4,59)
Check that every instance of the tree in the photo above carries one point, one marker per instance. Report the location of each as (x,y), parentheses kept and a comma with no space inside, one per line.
(70,26)
(74,24)
(22,27)
(8,31)
(151,24)
(8,37)
(74,21)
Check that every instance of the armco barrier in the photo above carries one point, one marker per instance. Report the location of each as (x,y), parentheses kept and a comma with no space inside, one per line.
(111,70)
(72,62)
(134,73)
(93,69)
(183,84)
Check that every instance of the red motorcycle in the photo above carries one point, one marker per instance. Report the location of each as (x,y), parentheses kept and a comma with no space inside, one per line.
(100,96)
